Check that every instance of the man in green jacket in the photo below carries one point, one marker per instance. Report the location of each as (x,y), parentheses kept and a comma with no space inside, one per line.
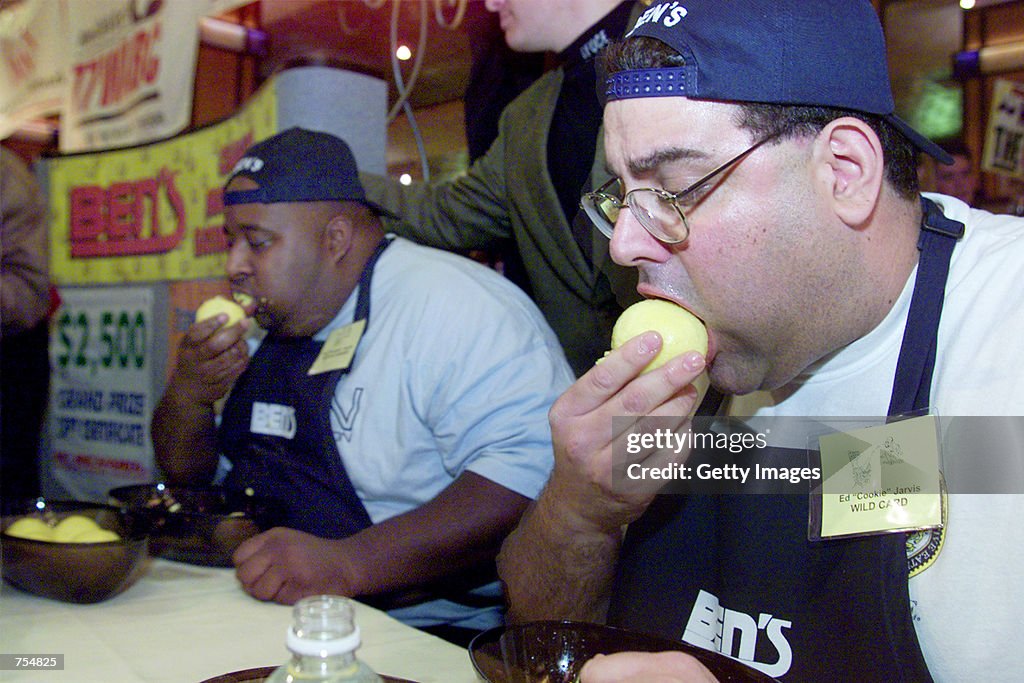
(527,187)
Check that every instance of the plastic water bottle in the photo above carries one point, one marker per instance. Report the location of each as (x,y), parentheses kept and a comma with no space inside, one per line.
(323,639)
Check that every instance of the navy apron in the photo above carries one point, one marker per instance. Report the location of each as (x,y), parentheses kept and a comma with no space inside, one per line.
(298,469)
(736,573)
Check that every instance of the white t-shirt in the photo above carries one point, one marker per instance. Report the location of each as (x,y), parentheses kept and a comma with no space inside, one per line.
(456,372)
(967,606)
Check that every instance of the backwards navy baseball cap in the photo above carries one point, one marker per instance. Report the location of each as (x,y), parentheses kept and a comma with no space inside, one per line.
(827,53)
(299,165)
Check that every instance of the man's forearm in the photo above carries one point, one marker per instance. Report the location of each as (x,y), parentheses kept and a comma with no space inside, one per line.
(184,439)
(553,568)
(437,540)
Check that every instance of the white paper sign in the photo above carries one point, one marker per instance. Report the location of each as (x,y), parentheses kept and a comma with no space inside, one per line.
(32,61)
(102,352)
(132,71)
(1004,139)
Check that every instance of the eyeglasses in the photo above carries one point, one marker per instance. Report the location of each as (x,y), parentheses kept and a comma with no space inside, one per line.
(660,212)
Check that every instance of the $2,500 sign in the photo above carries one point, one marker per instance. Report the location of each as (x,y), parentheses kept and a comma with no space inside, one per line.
(102,353)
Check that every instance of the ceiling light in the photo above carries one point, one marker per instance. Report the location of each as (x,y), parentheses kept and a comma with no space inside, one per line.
(966,4)
(403,52)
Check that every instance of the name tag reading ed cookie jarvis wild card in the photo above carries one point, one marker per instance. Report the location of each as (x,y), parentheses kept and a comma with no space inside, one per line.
(339,348)
(880,479)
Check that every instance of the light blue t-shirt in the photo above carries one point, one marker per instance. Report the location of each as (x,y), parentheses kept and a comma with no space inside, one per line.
(455,372)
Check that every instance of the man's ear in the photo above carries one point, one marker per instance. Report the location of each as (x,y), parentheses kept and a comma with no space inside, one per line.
(338,235)
(851,167)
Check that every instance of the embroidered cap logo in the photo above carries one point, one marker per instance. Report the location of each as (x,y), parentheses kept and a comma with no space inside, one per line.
(669,15)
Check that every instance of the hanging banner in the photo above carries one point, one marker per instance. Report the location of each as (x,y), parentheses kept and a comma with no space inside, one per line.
(1004,139)
(104,357)
(155,212)
(131,72)
(32,61)
(150,213)
(35,69)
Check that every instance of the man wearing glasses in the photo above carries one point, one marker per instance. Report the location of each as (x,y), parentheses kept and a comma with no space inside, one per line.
(830,288)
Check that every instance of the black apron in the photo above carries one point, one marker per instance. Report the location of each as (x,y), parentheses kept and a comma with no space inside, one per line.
(298,468)
(737,573)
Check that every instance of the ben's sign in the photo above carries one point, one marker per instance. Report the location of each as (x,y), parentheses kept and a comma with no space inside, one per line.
(152,212)
(124,218)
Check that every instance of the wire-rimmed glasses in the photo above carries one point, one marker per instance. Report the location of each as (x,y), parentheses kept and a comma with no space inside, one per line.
(660,212)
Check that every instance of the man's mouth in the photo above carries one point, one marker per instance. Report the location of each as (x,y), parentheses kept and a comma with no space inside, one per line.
(650,292)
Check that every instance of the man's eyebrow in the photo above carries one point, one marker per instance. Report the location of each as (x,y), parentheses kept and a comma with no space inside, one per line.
(645,164)
(246,228)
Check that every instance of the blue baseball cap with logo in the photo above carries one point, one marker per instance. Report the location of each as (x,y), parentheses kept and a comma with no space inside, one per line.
(827,53)
(299,165)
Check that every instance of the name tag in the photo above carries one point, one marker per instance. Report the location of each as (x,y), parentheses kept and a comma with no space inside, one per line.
(339,348)
(880,479)
(272,419)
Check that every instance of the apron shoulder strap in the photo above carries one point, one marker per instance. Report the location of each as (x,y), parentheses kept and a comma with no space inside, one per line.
(912,384)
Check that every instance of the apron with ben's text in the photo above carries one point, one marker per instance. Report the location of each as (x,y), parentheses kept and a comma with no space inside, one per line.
(737,573)
(276,431)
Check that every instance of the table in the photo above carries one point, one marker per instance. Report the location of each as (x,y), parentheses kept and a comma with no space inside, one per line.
(183,624)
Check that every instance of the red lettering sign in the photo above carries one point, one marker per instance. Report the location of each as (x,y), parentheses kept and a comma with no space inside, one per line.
(232,152)
(118,73)
(19,54)
(124,219)
(211,239)
(84,462)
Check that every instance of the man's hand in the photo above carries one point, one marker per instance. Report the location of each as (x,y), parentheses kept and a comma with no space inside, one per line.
(559,563)
(210,359)
(644,667)
(285,565)
(583,434)
(183,428)
(396,559)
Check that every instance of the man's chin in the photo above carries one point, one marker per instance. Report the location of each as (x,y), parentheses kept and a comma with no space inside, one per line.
(730,380)
(264,320)
(518,42)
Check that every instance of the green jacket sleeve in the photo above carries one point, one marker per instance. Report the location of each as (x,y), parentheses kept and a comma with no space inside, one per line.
(468,212)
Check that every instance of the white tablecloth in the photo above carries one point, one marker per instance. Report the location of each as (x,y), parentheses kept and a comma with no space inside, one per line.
(183,624)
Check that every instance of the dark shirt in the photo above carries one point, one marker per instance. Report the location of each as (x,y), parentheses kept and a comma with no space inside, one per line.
(577,117)
(496,77)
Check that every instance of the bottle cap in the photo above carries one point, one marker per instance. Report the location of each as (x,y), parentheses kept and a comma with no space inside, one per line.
(315,646)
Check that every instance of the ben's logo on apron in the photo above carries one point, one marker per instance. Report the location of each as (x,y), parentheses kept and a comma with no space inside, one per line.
(271,419)
(734,634)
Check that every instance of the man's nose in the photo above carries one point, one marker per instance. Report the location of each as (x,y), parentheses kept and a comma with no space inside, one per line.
(631,244)
(238,264)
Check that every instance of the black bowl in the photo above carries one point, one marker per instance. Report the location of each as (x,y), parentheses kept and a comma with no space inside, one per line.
(199,525)
(73,572)
(555,652)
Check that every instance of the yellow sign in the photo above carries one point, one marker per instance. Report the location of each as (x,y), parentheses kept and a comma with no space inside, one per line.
(153,212)
(339,348)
